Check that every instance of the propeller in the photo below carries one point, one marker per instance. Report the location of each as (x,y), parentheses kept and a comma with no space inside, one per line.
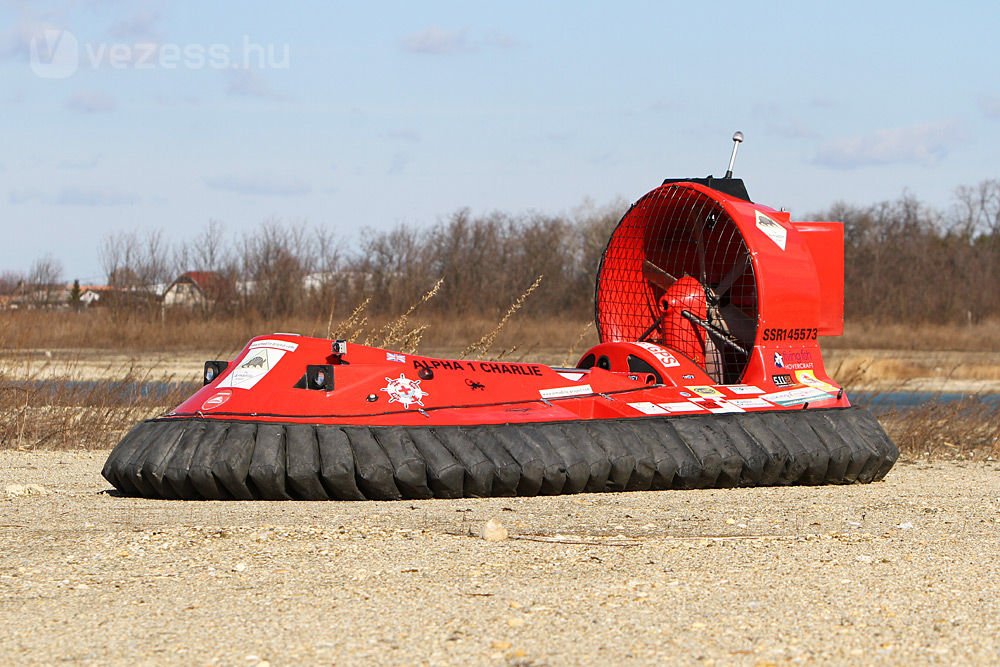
(657,276)
(724,326)
(727,283)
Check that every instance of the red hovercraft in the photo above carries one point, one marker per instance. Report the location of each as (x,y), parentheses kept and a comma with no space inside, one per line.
(708,374)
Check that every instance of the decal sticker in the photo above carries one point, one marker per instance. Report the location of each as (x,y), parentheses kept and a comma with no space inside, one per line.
(393,356)
(263,355)
(684,393)
(779,361)
(474,386)
(773,334)
(717,406)
(434,364)
(217,399)
(259,360)
(688,376)
(707,392)
(782,380)
(572,377)
(509,369)
(794,359)
(276,344)
(404,391)
(752,403)
(797,396)
(681,406)
(664,357)
(808,378)
(772,229)
(649,408)
(561,392)
(744,389)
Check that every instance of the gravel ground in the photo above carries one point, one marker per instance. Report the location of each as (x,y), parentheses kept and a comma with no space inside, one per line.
(904,571)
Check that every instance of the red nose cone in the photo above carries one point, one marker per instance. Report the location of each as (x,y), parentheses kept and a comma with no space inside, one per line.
(677,331)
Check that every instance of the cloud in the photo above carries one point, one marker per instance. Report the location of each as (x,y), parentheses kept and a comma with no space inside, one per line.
(823,102)
(139,27)
(249,83)
(500,40)
(926,144)
(12,97)
(436,41)
(558,138)
(72,197)
(400,161)
(90,101)
(15,41)
(177,101)
(990,104)
(776,122)
(790,128)
(404,136)
(79,163)
(258,184)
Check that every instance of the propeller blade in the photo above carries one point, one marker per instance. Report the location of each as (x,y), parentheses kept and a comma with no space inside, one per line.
(740,325)
(715,331)
(657,276)
(736,272)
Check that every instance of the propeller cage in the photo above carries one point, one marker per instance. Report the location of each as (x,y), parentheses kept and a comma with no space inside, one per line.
(675,258)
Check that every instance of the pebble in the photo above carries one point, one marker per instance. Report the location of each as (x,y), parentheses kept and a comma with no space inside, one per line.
(494,531)
(18,490)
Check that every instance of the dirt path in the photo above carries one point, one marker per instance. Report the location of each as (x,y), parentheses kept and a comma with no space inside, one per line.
(904,571)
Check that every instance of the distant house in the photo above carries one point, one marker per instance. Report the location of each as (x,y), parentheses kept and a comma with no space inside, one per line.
(199,289)
(90,295)
(33,297)
(313,282)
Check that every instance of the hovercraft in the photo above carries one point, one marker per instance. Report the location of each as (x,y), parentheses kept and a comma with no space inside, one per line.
(708,374)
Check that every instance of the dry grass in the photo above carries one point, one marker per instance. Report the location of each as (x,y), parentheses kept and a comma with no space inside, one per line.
(218,337)
(871,335)
(483,346)
(99,329)
(964,429)
(39,414)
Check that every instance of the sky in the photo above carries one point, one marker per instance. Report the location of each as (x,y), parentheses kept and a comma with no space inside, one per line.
(118,116)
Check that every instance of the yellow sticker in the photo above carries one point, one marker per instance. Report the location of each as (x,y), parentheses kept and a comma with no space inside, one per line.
(809,379)
(707,392)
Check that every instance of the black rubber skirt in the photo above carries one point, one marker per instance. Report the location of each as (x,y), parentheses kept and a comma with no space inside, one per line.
(215,459)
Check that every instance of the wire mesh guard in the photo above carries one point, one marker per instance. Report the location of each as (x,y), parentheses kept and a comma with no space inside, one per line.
(676,271)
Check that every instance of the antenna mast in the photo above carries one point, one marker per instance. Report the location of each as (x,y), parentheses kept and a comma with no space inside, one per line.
(737,140)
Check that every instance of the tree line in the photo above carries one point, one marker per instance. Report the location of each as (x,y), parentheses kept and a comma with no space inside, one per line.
(905,261)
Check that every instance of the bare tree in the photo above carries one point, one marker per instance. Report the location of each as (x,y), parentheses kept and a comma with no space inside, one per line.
(275,260)
(11,282)
(136,262)
(978,209)
(45,279)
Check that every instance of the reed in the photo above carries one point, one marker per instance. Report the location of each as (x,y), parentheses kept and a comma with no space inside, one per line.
(967,429)
(482,346)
